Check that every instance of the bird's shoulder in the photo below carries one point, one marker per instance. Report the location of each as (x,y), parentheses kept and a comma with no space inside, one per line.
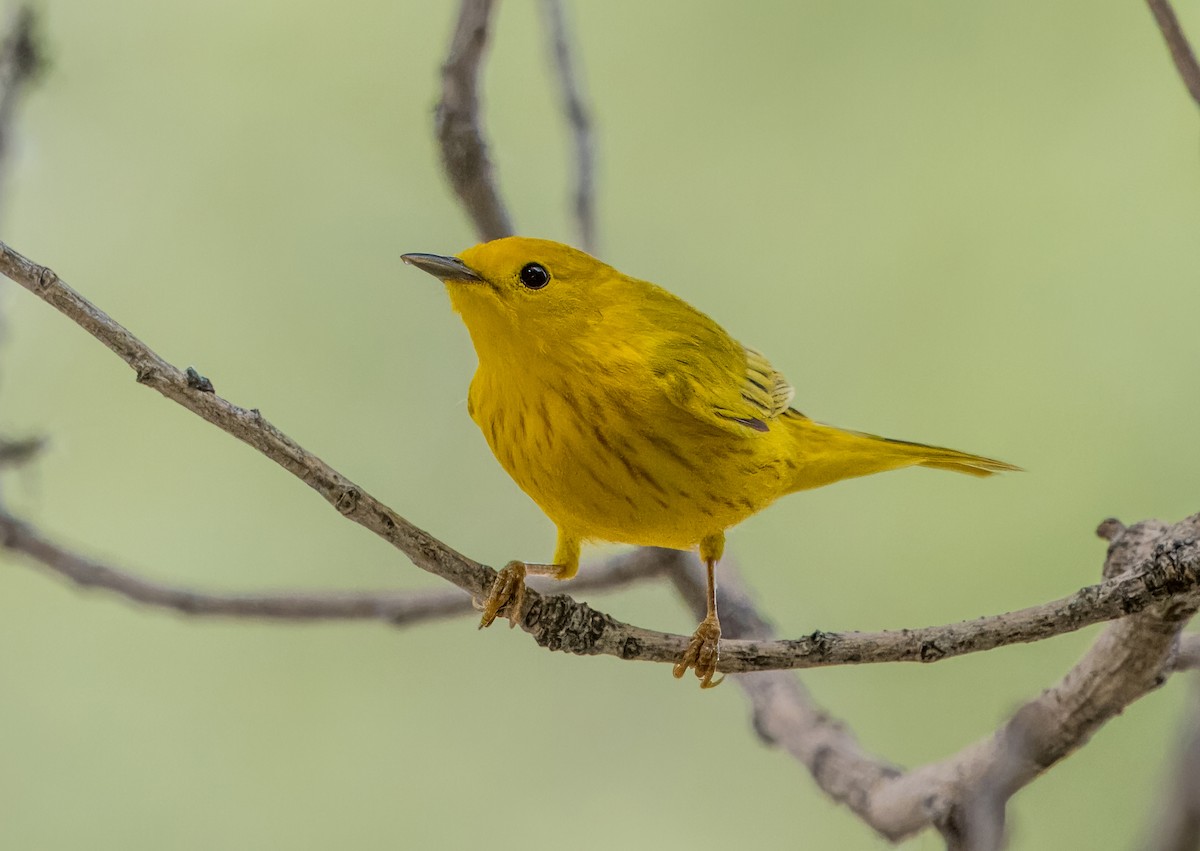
(702,369)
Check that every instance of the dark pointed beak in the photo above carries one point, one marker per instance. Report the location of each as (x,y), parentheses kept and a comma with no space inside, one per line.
(446,268)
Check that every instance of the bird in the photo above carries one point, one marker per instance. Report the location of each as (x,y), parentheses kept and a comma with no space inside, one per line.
(629,416)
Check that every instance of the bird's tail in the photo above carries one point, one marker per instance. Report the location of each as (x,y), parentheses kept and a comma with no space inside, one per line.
(824,454)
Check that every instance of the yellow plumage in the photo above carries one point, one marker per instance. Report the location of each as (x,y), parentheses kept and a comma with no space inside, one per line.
(630,416)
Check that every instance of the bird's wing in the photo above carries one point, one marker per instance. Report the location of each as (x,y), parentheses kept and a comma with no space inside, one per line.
(727,384)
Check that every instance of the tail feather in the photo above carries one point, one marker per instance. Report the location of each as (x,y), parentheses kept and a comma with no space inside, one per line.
(941,458)
(825,454)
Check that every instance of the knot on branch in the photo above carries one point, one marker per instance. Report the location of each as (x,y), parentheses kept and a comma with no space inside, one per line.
(46,278)
(1110,529)
(1174,574)
(1130,546)
(819,642)
(631,648)
(1173,569)
(1082,604)
(347,501)
(559,623)
(146,372)
(930,652)
(196,381)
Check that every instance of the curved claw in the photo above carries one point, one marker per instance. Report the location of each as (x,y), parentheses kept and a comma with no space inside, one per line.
(702,654)
(507,595)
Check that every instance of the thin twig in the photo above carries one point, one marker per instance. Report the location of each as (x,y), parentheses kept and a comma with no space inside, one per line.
(1130,658)
(1124,594)
(577,116)
(398,608)
(1181,52)
(458,124)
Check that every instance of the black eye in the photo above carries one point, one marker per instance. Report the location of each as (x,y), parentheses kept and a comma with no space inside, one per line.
(534,276)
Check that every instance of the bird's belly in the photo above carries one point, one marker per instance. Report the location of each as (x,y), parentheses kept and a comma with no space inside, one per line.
(608,470)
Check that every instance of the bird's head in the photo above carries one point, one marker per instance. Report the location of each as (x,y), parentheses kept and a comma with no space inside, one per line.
(519,291)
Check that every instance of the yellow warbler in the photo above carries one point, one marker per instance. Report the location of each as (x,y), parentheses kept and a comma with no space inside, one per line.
(630,416)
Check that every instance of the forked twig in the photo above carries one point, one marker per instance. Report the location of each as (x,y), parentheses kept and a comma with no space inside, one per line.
(963,795)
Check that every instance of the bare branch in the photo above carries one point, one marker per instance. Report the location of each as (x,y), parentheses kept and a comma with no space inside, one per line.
(459,124)
(1121,595)
(1128,660)
(398,608)
(577,116)
(1177,43)
(19,537)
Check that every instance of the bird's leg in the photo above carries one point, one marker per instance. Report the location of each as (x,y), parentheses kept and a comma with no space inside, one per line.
(508,591)
(701,653)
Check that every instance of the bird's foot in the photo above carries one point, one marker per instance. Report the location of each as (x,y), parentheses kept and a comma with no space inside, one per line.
(506,597)
(701,653)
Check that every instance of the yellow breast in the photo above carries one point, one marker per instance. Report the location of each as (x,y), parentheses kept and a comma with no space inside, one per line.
(606,464)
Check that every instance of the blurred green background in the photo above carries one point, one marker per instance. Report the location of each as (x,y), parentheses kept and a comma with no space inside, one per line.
(968,224)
